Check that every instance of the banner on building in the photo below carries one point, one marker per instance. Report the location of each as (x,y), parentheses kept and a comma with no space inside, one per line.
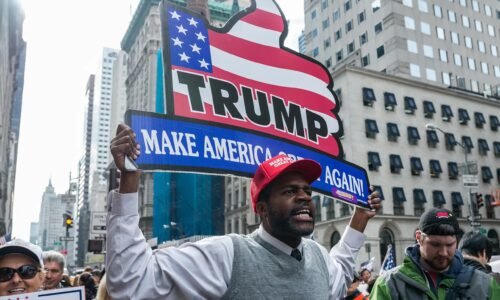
(236,96)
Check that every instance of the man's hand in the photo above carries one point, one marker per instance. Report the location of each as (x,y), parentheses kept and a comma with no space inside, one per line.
(361,216)
(122,145)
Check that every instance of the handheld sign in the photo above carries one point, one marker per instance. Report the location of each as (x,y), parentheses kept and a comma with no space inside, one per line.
(71,293)
(236,96)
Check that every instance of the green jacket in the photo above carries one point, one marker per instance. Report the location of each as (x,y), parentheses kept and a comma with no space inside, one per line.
(408,281)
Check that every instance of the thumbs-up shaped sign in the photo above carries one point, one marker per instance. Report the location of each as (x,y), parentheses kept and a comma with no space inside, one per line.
(243,76)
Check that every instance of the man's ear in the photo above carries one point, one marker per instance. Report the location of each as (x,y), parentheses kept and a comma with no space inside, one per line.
(261,208)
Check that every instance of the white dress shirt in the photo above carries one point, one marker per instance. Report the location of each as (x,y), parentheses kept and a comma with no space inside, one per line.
(200,270)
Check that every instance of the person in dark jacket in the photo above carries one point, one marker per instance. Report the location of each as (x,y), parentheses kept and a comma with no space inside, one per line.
(476,249)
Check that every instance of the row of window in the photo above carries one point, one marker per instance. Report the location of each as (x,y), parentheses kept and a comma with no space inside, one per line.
(416,167)
(423,6)
(410,106)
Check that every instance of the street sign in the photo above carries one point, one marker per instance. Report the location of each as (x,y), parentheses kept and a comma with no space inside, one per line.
(66,238)
(470,181)
(472,168)
(478,217)
(98,222)
(475,224)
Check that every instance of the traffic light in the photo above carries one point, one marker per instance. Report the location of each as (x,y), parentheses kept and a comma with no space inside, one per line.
(68,221)
(479,200)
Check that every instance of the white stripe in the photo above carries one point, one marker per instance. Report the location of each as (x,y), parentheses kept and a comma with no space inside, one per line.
(256,34)
(268,74)
(269,6)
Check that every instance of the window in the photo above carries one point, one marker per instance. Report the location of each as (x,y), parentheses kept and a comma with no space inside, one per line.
(317,203)
(453,170)
(494,123)
(450,141)
(365,60)
(422,6)
(368,96)
(455,38)
(440,33)
(336,15)
(432,138)
(428,51)
(482,146)
(378,28)
(338,34)
(375,5)
(467,142)
(339,55)
(349,26)
(380,51)
(496,149)
(419,201)
(398,195)
(371,128)
(408,3)
(487,10)
(479,25)
(463,116)
(363,39)
(409,23)
(345,209)
(475,5)
(410,105)
(452,17)
(494,51)
(330,207)
(446,113)
(471,63)
(392,132)
(328,62)
(465,21)
(457,59)
(430,74)
(416,165)
(350,47)
(313,14)
(415,70)
(425,28)
(437,11)
(389,101)
(413,135)
(326,24)
(373,161)
(361,17)
(486,174)
(468,42)
(443,55)
(463,3)
(347,5)
(327,43)
(435,168)
(395,163)
(429,109)
(484,68)
(324,4)
(457,202)
(479,119)
(315,52)
(378,188)
(412,46)
(438,198)
(481,46)
(446,78)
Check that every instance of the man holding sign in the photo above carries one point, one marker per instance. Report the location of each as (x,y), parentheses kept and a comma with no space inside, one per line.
(275,261)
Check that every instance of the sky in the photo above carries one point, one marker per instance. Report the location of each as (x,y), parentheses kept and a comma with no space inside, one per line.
(64,44)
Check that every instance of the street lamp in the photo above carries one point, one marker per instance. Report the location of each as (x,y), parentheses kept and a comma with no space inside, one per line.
(471,218)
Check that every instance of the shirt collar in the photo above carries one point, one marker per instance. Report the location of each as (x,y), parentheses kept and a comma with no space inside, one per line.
(266,236)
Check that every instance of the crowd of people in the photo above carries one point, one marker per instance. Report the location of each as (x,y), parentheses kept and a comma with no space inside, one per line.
(25,268)
(278,260)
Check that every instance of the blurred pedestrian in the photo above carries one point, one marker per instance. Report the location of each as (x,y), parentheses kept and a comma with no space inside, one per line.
(275,261)
(96,274)
(353,292)
(21,268)
(87,280)
(53,262)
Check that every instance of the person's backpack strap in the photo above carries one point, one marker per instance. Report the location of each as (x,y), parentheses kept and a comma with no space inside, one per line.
(461,284)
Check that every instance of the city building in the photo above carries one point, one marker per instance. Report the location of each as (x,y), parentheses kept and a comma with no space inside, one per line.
(34,235)
(12,63)
(51,227)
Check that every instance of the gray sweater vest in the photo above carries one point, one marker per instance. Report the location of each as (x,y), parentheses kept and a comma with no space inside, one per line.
(260,271)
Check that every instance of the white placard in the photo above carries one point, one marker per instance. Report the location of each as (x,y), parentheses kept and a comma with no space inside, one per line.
(72,293)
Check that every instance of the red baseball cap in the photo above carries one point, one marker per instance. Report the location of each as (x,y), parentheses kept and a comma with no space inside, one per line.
(281,164)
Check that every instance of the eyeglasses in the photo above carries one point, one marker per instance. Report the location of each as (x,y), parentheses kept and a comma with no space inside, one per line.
(25,272)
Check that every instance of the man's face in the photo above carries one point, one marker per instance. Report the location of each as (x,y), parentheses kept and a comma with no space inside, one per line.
(17,285)
(290,209)
(53,275)
(437,251)
(365,276)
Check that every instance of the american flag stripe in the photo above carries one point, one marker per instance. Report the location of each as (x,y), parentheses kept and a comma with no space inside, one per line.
(272,56)
(250,32)
(266,20)
(269,74)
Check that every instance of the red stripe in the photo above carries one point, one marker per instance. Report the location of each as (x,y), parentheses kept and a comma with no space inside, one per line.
(270,56)
(182,108)
(265,20)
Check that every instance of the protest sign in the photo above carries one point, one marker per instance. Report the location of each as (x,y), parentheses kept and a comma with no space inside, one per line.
(236,96)
(73,293)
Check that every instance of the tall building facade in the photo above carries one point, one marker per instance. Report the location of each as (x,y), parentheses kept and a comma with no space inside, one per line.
(448,43)
(12,63)
(398,66)
(51,222)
